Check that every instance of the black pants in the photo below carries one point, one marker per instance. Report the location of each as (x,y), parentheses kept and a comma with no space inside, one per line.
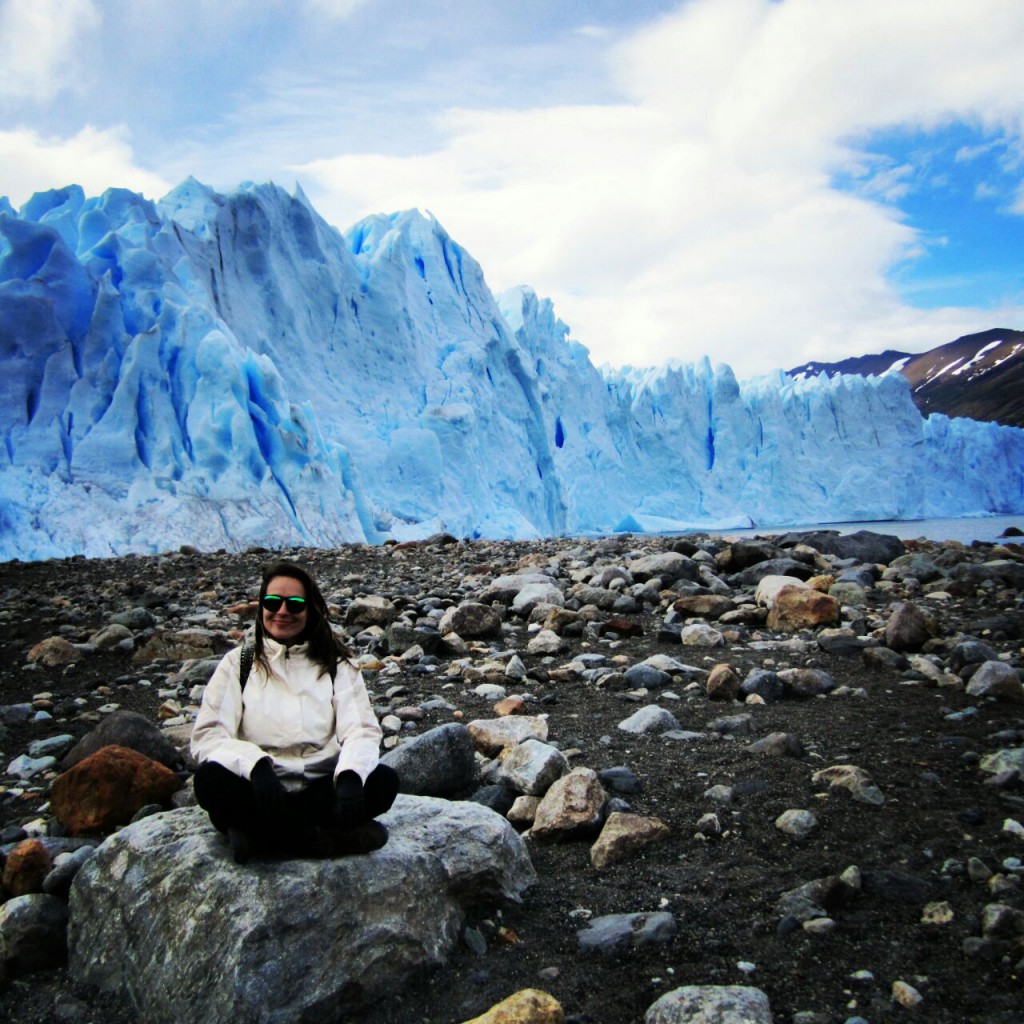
(229,800)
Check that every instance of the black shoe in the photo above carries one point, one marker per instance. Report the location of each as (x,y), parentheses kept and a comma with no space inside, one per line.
(365,838)
(241,849)
(335,842)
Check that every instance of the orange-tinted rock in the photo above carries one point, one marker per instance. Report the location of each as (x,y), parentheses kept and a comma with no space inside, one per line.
(107,788)
(510,706)
(55,651)
(623,627)
(723,683)
(704,606)
(246,610)
(571,807)
(528,1006)
(27,865)
(801,608)
(624,835)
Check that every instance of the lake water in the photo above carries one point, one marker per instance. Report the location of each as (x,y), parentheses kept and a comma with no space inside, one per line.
(981,528)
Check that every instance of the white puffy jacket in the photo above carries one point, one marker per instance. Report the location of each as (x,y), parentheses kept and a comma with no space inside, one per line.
(309,726)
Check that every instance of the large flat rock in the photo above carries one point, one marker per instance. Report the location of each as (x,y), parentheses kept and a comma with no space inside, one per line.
(162,917)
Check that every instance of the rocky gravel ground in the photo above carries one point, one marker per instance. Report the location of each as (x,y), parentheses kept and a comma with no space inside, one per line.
(914,856)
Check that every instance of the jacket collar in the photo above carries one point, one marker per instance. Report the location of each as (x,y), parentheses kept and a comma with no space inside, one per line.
(275,649)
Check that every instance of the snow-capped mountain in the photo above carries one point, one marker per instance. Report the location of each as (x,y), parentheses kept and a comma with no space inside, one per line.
(980,376)
(229,370)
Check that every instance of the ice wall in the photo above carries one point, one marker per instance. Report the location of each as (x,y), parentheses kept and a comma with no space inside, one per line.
(228,370)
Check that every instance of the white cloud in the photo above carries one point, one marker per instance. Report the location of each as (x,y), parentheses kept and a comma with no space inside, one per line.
(691,211)
(96,160)
(698,216)
(39,45)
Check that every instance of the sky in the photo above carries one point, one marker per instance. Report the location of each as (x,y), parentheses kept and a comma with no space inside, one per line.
(762,182)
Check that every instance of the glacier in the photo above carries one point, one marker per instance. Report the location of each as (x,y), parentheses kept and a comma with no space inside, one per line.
(229,370)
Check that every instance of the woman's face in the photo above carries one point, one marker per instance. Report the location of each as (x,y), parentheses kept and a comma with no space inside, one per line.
(283,624)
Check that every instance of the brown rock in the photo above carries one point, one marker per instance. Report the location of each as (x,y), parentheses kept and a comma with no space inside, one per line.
(802,608)
(523,811)
(185,645)
(571,807)
(742,555)
(907,628)
(492,735)
(371,610)
(778,744)
(410,713)
(723,683)
(246,610)
(884,658)
(852,778)
(527,1006)
(510,706)
(27,865)
(623,835)
(704,606)
(623,627)
(557,619)
(471,621)
(107,788)
(169,709)
(55,651)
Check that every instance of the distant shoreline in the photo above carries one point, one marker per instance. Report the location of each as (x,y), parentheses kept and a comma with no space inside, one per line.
(965,530)
(986,529)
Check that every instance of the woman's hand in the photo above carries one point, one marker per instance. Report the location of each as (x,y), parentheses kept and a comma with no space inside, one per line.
(349,809)
(270,795)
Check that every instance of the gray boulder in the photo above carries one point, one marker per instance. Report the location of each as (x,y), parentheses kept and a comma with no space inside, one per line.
(532,767)
(164,920)
(967,652)
(765,683)
(534,594)
(125,729)
(505,588)
(440,762)
(862,546)
(471,620)
(650,719)
(646,677)
(996,679)
(617,932)
(667,566)
(711,1004)
(32,934)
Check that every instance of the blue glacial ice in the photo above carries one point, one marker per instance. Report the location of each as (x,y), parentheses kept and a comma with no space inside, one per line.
(230,370)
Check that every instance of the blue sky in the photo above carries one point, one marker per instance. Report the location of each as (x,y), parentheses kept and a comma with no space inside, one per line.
(760,182)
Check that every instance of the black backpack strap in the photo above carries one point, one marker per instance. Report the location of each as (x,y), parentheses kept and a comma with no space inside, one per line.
(245,664)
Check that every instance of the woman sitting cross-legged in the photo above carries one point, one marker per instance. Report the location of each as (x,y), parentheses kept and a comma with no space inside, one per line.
(288,758)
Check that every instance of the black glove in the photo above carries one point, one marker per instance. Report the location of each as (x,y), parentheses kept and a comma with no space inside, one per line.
(349,807)
(271,797)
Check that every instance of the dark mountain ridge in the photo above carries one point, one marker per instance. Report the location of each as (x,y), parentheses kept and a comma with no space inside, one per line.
(979,376)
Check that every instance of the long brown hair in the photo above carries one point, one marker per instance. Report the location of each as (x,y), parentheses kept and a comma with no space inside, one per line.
(325,649)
